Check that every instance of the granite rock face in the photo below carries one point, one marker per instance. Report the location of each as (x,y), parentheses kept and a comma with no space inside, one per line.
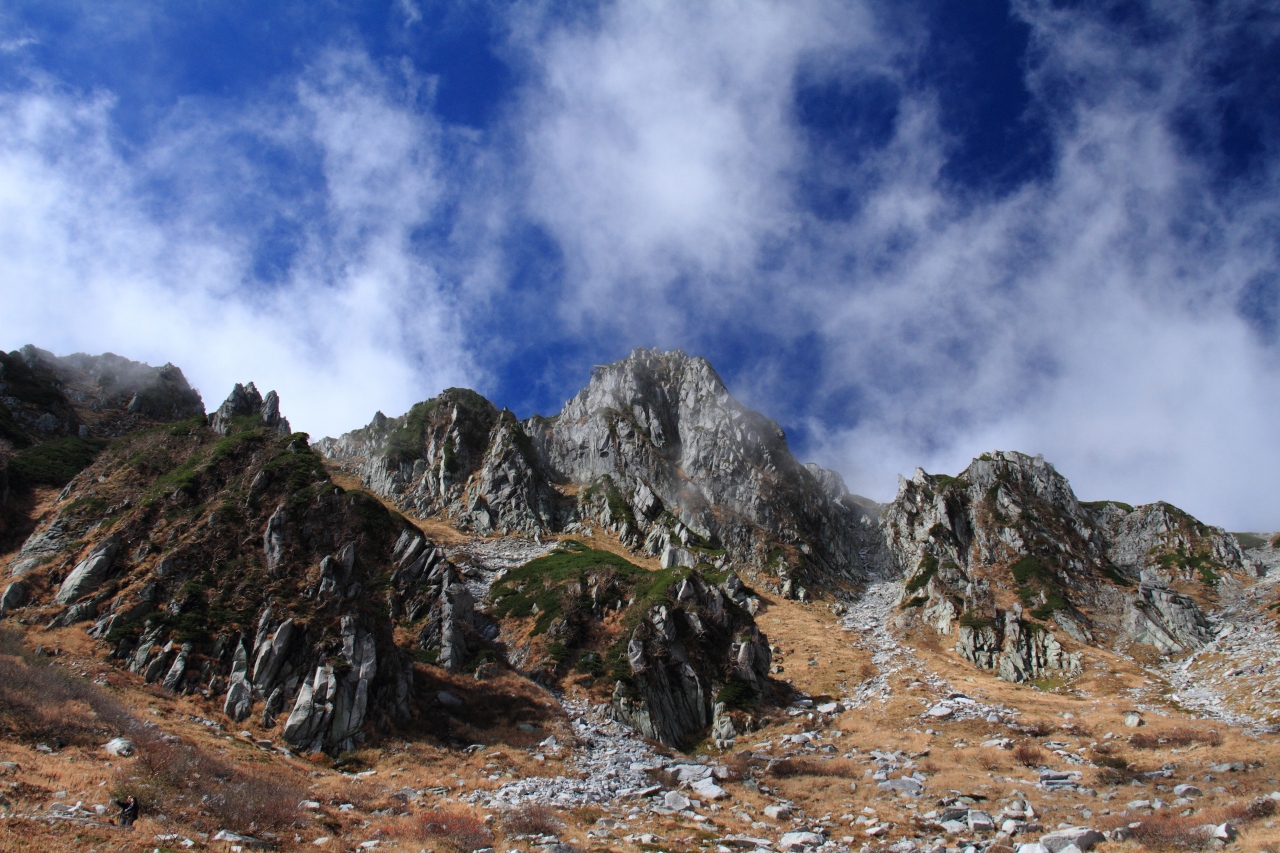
(1092,572)
(245,402)
(1162,540)
(269,592)
(683,462)
(680,655)
(658,452)
(90,395)
(1168,620)
(457,456)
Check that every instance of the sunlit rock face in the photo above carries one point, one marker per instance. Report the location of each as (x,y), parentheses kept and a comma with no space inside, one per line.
(1101,572)
(655,448)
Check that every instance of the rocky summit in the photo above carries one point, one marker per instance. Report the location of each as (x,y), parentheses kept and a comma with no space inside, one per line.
(639,624)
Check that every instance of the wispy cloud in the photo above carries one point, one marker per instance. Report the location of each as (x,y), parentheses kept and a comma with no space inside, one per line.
(657,177)
(1089,315)
(159,254)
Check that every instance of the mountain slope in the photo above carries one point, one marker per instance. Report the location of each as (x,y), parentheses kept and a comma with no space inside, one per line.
(654,449)
(1004,551)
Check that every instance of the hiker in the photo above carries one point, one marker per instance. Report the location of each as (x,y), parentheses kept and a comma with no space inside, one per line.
(128,811)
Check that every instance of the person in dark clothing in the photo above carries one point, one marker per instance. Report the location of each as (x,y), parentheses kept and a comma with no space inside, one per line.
(128,811)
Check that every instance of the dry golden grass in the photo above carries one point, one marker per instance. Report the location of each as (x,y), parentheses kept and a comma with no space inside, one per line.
(457,831)
(1177,832)
(788,767)
(1175,737)
(1028,755)
(531,819)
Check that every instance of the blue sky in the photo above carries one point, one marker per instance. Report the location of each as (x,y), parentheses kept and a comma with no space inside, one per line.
(911,232)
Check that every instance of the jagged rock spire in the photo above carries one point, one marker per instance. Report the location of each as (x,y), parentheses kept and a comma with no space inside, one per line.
(246,400)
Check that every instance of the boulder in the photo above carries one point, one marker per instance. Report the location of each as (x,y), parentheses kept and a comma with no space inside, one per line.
(676,801)
(904,784)
(90,572)
(707,789)
(794,842)
(120,746)
(1081,837)
(15,595)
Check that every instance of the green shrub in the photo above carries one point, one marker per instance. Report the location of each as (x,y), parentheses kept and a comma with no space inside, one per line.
(944,482)
(543,582)
(1250,540)
(969,619)
(1028,569)
(737,693)
(592,664)
(54,462)
(927,568)
(1116,575)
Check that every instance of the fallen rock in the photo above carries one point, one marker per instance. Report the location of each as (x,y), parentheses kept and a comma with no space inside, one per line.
(1081,836)
(1133,719)
(676,801)
(797,841)
(15,595)
(120,746)
(1186,791)
(980,821)
(242,840)
(709,790)
(777,812)
(905,784)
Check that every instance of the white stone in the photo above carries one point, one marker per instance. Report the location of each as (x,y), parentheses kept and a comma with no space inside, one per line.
(777,812)
(708,789)
(120,746)
(676,801)
(796,841)
(1081,836)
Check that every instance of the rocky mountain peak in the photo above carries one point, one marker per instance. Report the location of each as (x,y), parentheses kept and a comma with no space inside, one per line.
(1093,571)
(247,408)
(654,448)
(45,395)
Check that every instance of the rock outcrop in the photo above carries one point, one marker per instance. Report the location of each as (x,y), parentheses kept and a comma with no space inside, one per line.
(246,408)
(457,456)
(1090,571)
(658,452)
(269,591)
(680,461)
(90,572)
(45,395)
(684,658)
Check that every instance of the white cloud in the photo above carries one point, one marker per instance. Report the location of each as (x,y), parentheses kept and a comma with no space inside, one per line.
(94,261)
(1088,315)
